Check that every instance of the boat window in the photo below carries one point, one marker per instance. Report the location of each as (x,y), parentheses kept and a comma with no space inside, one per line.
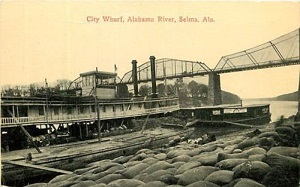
(140,105)
(113,108)
(56,110)
(23,111)
(88,81)
(154,104)
(93,108)
(168,103)
(122,107)
(4,111)
(81,109)
(41,110)
(162,103)
(216,112)
(69,110)
(103,108)
(83,81)
(147,105)
(92,80)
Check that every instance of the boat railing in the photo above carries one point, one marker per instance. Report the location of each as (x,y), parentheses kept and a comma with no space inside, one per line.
(71,117)
(21,120)
(87,116)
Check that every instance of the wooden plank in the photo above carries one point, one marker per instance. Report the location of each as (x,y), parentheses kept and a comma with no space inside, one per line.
(23,164)
(238,124)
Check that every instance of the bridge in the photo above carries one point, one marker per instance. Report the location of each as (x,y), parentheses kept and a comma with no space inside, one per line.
(167,68)
(282,51)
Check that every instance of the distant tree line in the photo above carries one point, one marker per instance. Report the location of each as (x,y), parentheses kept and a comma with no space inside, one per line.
(193,93)
(35,89)
(190,94)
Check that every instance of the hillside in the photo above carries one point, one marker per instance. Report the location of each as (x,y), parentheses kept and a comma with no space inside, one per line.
(230,98)
(227,98)
(288,97)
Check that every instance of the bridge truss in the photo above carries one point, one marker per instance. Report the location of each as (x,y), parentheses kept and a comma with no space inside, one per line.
(282,51)
(167,68)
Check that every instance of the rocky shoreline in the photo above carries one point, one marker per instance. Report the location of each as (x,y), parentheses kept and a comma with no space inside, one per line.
(266,157)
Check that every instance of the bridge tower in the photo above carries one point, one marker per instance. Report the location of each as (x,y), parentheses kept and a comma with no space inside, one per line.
(134,78)
(153,76)
(214,89)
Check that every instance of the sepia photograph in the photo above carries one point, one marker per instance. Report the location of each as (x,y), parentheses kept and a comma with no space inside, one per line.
(150,93)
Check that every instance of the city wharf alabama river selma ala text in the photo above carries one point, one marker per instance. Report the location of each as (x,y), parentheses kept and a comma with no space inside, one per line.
(160,19)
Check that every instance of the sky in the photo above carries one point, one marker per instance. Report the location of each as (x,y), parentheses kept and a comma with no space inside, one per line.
(61,39)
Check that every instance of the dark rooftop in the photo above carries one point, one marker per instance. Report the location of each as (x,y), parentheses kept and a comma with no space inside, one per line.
(98,73)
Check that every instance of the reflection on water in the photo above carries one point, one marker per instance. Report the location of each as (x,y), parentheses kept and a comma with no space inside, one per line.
(277,108)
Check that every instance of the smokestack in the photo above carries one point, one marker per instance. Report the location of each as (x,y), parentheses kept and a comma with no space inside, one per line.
(153,77)
(134,78)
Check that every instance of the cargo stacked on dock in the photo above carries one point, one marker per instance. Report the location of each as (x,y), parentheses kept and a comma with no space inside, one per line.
(267,157)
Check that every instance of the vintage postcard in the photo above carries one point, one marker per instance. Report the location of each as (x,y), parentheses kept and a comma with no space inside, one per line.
(149,93)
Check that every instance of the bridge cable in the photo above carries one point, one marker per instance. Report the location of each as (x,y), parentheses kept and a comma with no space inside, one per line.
(278,52)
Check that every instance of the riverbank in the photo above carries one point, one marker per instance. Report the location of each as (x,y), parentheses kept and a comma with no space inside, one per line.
(264,157)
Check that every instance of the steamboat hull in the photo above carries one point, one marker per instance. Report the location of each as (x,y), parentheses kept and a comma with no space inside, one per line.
(228,118)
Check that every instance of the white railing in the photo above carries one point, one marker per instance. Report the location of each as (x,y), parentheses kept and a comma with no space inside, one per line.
(22,120)
(88,116)
(71,117)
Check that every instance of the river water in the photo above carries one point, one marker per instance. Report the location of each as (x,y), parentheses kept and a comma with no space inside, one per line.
(277,108)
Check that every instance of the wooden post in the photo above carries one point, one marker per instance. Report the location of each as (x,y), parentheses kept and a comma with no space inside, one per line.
(25,131)
(97,106)
(86,130)
(47,108)
(13,110)
(18,115)
(145,123)
(98,118)
(122,122)
(80,132)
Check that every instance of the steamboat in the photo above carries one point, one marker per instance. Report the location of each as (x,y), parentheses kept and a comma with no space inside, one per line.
(257,114)
(44,136)
(223,119)
(93,106)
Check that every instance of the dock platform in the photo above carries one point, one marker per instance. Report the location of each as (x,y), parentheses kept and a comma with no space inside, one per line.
(65,158)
